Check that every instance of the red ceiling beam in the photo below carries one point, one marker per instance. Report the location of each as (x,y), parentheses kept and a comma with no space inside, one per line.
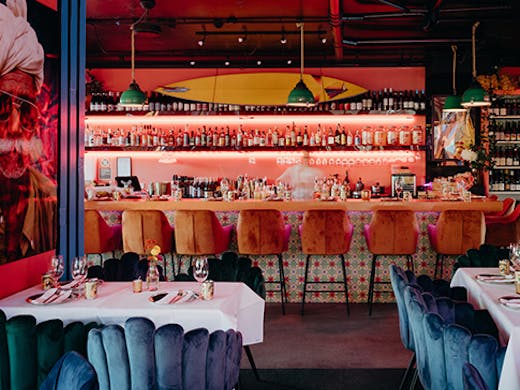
(335,23)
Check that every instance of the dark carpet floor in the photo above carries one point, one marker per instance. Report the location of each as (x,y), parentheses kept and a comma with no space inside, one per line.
(325,349)
(315,379)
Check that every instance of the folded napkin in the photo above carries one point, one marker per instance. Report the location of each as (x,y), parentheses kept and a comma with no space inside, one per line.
(70,285)
(45,296)
(510,302)
(52,295)
(495,278)
(176,297)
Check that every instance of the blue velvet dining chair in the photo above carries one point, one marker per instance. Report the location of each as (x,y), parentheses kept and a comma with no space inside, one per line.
(71,372)
(482,351)
(472,378)
(428,317)
(139,356)
(399,278)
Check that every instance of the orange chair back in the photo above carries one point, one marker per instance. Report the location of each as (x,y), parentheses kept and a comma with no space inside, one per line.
(260,232)
(459,230)
(142,226)
(325,232)
(97,233)
(196,232)
(393,232)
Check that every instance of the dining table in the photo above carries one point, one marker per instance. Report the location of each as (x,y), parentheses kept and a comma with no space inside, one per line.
(488,290)
(234,306)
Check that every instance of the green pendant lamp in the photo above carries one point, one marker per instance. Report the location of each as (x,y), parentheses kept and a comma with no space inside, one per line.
(452,103)
(301,96)
(475,95)
(133,97)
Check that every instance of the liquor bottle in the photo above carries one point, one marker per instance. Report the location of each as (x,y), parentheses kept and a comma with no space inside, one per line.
(391,136)
(417,135)
(385,100)
(380,136)
(357,139)
(350,138)
(405,137)
(391,99)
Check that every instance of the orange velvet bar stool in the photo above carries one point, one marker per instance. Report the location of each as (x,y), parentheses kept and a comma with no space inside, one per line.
(328,233)
(455,232)
(143,226)
(199,232)
(263,232)
(100,237)
(390,233)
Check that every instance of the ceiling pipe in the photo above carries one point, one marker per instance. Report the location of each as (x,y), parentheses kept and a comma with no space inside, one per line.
(335,22)
(416,12)
(260,32)
(358,42)
(395,5)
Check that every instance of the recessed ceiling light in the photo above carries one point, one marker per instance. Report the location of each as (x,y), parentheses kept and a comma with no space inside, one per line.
(192,63)
(226,63)
(324,40)
(259,62)
(289,62)
(201,42)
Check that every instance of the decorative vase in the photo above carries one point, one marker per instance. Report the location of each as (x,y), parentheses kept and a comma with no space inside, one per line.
(152,276)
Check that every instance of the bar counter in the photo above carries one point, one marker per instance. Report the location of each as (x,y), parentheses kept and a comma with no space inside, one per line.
(358,259)
(484,205)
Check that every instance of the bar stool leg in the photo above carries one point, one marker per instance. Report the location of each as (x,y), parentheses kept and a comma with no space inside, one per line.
(442,265)
(409,263)
(437,261)
(305,283)
(371,286)
(344,269)
(283,292)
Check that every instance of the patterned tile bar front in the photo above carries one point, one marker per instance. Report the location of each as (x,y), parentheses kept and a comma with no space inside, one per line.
(326,268)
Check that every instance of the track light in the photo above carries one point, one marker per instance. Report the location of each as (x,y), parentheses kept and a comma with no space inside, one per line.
(202,40)
(323,38)
(242,38)
(283,39)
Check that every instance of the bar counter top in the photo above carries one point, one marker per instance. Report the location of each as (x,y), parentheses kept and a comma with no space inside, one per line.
(485,205)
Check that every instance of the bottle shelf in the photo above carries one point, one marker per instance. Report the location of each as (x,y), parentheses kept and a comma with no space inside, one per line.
(504,117)
(505,192)
(361,149)
(507,142)
(506,167)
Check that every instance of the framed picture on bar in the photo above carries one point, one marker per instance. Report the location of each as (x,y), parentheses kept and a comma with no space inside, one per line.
(124,166)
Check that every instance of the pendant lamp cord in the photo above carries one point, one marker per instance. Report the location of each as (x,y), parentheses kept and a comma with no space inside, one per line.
(454,69)
(301,50)
(473,48)
(132,42)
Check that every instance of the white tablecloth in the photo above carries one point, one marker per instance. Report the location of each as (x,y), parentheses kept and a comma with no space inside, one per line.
(234,306)
(486,296)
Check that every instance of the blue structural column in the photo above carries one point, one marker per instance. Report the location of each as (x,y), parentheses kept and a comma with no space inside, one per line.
(71,129)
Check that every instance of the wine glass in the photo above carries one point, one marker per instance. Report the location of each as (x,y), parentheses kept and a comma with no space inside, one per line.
(200,269)
(514,255)
(79,269)
(56,268)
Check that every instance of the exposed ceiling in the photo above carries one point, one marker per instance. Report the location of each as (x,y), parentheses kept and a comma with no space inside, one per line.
(337,32)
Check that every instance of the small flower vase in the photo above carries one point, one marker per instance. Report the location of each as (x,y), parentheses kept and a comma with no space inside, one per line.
(152,276)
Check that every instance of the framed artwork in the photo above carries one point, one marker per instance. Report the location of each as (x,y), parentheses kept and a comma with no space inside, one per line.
(451,130)
(124,166)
